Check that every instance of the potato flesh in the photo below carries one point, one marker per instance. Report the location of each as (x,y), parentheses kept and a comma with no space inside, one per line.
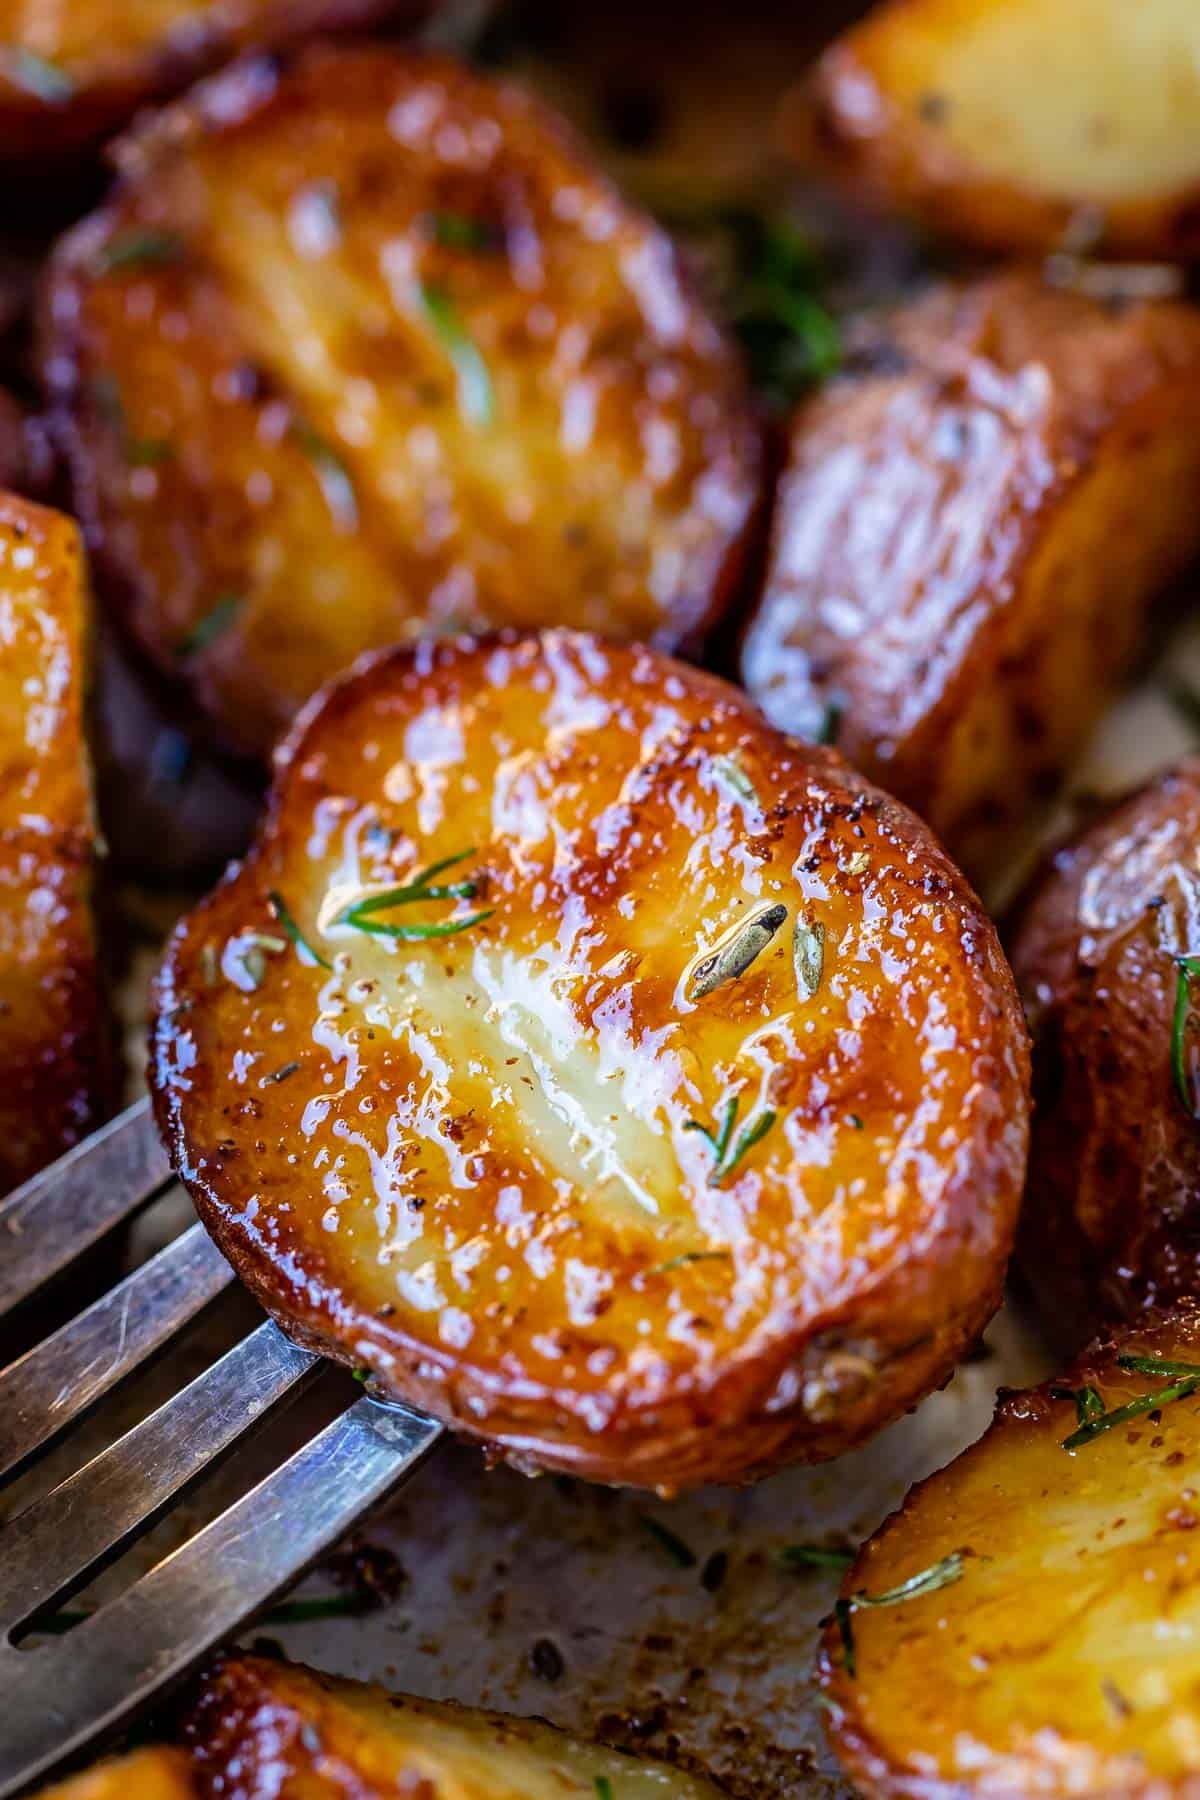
(487,1153)
(1067,1657)
(376,429)
(285,1728)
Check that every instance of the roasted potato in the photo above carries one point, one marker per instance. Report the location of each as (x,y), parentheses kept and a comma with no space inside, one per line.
(1111,1226)
(1017,126)
(367,350)
(972,523)
(57,1073)
(684,1136)
(1028,1622)
(149,1774)
(73,71)
(274,1731)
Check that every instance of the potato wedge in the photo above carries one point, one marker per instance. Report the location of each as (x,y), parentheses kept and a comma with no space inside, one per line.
(1051,1647)
(970,529)
(367,350)
(1015,126)
(57,1073)
(150,1774)
(293,1734)
(73,71)
(553,1169)
(1112,1222)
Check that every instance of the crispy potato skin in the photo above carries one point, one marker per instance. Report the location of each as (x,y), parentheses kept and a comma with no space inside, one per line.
(150,1774)
(980,119)
(260,1729)
(113,60)
(362,429)
(56,1053)
(1062,1662)
(476,1175)
(967,536)
(1111,1225)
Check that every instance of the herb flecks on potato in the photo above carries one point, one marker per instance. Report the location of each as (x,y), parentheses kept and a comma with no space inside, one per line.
(1104,954)
(368,349)
(1060,1655)
(1017,126)
(638,1090)
(55,1050)
(972,524)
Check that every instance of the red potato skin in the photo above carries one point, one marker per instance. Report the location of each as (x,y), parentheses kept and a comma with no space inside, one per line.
(867,1308)
(1111,1222)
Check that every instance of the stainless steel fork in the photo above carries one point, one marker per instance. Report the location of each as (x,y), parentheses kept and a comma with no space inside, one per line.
(59,1695)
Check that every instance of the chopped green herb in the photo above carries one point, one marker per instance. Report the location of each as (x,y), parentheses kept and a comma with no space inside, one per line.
(734,956)
(1133,1409)
(815,1556)
(689,1256)
(725,1158)
(139,249)
(298,938)
(1157,1365)
(459,231)
(831,723)
(47,80)
(326,1606)
(603,1787)
(941,1574)
(361,913)
(210,626)
(1187,967)
(808,955)
(333,477)
(476,395)
(676,1549)
(730,771)
(361,1375)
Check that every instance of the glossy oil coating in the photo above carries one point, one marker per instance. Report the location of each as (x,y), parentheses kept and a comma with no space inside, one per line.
(1062,1658)
(1112,1222)
(55,1049)
(967,538)
(365,349)
(474,1164)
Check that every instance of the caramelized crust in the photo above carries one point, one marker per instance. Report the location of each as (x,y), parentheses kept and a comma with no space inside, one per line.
(267,1730)
(1112,1222)
(970,529)
(395,359)
(1013,125)
(1062,1659)
(56,1066)
(474,1165)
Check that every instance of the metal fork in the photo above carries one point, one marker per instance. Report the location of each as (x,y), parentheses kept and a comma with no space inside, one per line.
(59,1696)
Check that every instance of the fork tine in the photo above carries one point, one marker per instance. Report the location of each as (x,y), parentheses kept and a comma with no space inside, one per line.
(60,1694)
(57,1538)
(52,1384)
(62,1212)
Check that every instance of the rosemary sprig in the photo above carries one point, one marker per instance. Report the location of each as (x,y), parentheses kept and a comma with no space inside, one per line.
(728,1152)
(1133,1409)
(928,1581)
(333,477)
(210,626)
(815,1556)
(680,1553)
(1157,1365)
(808,956)
(37,75)
(476,395)
(1187,967)
(139,249)
(734,956)
(279,908)
(361,913)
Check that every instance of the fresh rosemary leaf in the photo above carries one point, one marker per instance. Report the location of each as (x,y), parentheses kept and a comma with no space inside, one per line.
(210,626)
(326,1606)
(603,1787)
(279,908)
(416,934)
(689,1256)
(676,1549)
(928,1581)
(333,477)
(726,1160)
(140,249)
(734,956)
(843,1612)
(361,913)
(1133,1409)
(815,1556)
(1187,968)
(808,955)
(1157,1365)
(730,771)
(476,395)
(36,74)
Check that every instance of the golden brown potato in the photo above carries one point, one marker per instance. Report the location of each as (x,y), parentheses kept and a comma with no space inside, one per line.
(553,1169)
(369,350)
(150,1774)
(970,529)
(271,1730)
(1112,1222)
(1048,1642)
(56,1061)
(1015,125)
(71,71)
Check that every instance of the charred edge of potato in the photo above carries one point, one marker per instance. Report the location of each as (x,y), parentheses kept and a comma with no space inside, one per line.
(285,1728)
(53,110)
(891,147)
(909,1684)
(706,526)
(1110,1220)
(831,1377)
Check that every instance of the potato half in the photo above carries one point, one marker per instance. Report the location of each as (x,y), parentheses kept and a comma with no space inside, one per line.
(56,1054)
(150,1774)
(367,349)
(1016,125)
(1029,1621)
(1112,1222)
(276,1731)
(971,526)
(633,1088)
(72,71)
